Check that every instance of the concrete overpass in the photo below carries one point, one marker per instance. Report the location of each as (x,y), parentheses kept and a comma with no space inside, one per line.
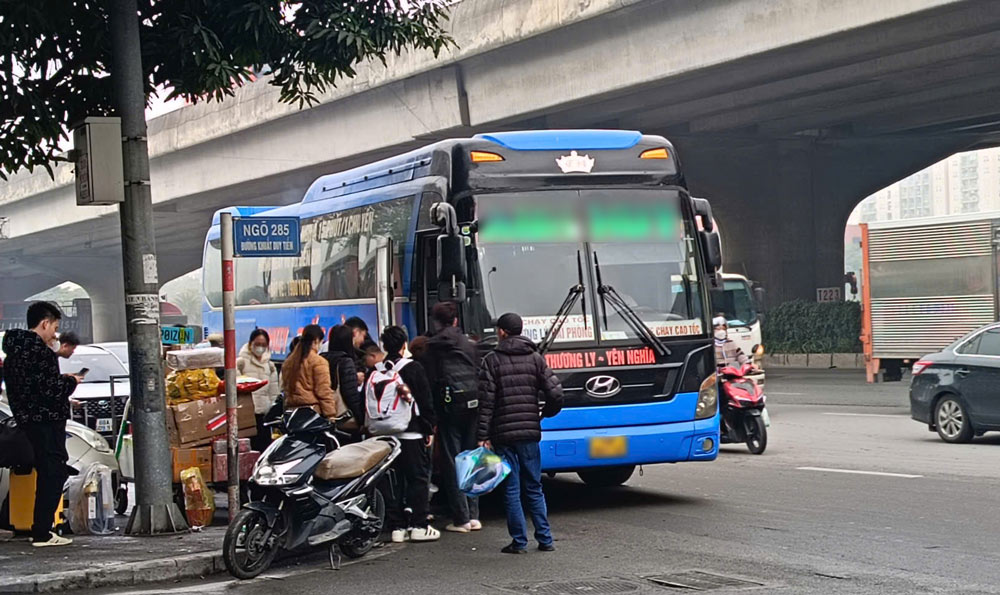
(786,114)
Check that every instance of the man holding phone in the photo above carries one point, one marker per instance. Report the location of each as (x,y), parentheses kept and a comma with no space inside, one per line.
(39,398)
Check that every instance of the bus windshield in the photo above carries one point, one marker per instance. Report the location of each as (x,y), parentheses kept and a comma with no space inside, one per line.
(735,302)
(534,247)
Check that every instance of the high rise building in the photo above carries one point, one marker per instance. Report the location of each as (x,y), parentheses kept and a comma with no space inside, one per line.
(963,183)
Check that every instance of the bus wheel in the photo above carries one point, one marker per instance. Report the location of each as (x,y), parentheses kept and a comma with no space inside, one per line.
(607,477)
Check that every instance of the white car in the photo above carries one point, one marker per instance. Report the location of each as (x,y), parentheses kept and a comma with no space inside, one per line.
(84,447)
(102,393)
(118,348)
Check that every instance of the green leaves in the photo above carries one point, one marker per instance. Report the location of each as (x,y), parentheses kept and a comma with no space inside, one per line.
(811,327)
(55,55)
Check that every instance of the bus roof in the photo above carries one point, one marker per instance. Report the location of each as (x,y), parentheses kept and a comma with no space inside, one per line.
(240,212)
(436,159)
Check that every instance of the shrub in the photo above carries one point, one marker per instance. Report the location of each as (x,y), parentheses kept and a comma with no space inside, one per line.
(811,327)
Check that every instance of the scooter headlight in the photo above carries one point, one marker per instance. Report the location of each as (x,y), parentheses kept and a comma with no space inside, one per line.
(267,474)
(708,398)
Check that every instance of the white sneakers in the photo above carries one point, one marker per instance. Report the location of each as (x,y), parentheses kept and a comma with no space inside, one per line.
(54,540)
(427,533)
(475,525)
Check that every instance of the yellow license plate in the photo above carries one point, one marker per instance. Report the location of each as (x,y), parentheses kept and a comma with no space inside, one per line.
(608,447)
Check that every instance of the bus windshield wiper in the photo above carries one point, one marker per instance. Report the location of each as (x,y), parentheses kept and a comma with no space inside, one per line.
(576,293)
(610,295)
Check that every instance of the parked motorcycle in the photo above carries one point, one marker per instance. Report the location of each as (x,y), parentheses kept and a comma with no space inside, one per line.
(306,489)
(744,418)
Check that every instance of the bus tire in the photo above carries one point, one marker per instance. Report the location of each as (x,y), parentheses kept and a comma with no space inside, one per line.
(607,477)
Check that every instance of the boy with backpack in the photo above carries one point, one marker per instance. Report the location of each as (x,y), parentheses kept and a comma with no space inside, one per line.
(398,403)
(450,361)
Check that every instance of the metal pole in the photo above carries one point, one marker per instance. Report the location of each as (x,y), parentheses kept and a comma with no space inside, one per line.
(229,334)
(155,511)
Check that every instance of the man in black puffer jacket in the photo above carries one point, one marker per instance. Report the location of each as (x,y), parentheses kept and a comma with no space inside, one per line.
(510,413)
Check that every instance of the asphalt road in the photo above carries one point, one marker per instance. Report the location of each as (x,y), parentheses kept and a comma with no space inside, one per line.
(920,518)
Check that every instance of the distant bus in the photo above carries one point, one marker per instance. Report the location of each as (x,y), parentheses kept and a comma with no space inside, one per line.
(592,233)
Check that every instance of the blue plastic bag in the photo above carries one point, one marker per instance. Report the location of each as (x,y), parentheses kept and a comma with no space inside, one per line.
(480,471)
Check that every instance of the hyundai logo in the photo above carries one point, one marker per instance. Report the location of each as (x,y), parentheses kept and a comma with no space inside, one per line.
(603,387)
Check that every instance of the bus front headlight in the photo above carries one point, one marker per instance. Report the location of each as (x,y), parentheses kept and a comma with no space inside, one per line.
(708,398)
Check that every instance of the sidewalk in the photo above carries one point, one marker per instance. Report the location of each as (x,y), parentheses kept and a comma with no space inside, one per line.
(115,560)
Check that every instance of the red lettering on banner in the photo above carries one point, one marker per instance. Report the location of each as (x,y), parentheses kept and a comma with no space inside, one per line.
(591,359)
(279,338)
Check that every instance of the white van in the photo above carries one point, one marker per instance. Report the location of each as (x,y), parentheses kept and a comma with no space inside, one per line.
(737,302)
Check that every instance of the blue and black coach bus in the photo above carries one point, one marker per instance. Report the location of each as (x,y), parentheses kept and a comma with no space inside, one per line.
(590,235)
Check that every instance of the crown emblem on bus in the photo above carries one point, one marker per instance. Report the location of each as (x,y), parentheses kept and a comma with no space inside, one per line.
(574,163)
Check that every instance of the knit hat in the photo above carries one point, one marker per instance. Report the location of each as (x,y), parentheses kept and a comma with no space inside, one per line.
(511,323)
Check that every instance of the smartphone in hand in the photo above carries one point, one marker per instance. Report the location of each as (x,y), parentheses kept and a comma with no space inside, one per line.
(83,371)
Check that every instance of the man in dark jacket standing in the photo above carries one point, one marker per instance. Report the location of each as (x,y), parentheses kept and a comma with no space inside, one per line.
(39,398)
(510,380)
(450,361)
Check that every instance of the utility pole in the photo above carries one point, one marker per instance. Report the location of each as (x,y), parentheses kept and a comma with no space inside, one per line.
(155,511)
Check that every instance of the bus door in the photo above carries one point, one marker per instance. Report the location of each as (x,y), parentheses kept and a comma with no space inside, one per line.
(384,290)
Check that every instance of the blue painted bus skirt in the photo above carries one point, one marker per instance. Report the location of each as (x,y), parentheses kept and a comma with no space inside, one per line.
(569,450)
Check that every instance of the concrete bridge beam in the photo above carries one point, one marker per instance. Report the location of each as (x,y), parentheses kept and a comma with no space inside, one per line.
(782,204)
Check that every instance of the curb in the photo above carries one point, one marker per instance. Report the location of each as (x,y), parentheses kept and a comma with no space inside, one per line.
(119,575)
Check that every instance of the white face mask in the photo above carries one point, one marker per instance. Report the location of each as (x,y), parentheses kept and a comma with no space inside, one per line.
(54,345)
(720,334)
(259,350)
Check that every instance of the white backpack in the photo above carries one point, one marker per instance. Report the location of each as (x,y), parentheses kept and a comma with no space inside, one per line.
(389,405)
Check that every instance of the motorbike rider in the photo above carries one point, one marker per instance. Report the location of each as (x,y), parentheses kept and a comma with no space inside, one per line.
(727,352)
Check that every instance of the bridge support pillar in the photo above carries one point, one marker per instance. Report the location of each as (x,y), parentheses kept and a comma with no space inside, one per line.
(102,278)
(107,298)
(782,204)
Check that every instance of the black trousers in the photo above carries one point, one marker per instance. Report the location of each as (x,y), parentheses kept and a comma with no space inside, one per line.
(410,490)
(457,434)
(48,439)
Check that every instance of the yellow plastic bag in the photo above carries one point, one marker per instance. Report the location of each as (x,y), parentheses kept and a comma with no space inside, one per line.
(199,500)
(190,385)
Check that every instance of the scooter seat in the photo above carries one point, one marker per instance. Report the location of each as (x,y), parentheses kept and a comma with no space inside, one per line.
(353,460)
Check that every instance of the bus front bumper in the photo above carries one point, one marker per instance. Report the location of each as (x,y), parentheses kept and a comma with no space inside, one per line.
(571,450)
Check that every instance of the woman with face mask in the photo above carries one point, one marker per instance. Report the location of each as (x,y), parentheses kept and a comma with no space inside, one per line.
(727,352)
(255,361)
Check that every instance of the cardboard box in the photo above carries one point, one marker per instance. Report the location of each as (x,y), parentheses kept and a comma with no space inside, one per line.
(184,458)
(197,423)
(220,468)
(219,446)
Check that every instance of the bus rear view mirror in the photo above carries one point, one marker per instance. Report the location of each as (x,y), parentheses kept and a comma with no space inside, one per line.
(703,209)
(451,291)
(451,268)
(711,247)
(758,296)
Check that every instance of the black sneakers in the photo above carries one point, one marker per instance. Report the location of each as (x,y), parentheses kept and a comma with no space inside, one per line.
(546,547)
(512,548)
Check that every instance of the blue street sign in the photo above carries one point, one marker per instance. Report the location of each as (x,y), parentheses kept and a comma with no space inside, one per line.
(266,236)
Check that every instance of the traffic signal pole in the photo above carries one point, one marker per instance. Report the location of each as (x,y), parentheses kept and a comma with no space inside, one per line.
(155,511)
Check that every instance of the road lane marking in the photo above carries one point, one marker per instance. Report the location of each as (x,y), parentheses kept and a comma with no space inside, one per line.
(866,414)
(859,472)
